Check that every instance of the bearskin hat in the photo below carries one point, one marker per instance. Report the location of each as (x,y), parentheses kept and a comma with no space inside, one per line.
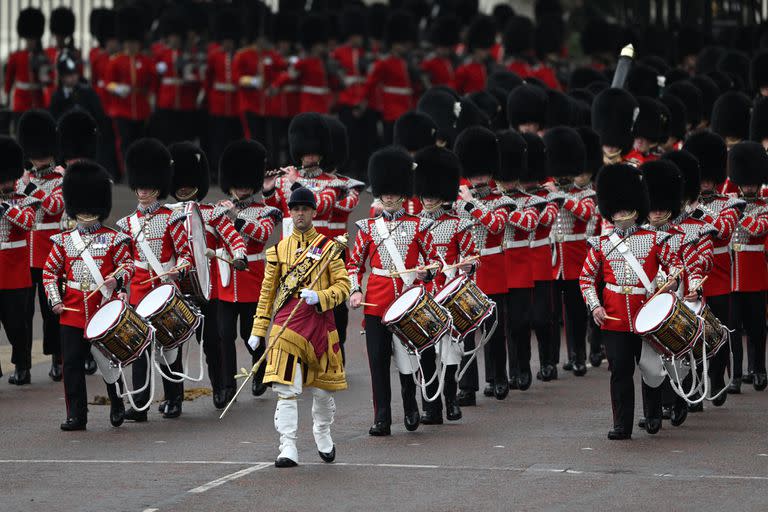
(710,149)
(339,144)
(285,26)
(689,169)
(437,174)
(548,36)
(62,22)
(513,157)
(707,59)
(690,41)
(173,21)
(526,104)
(621,187)
(676,75)
(665,185)
(478,150)
(30,23)
(759,70)
(566,153)
(87,189)
(353,22)
(487,103)
(518,35)
(390,171)
(401,28)
(709,93)
(505,80)
(561,110)
(583,95)
(131,25)
(598,87)
(94,21)
(656,62)
(77,135)
(537,158)
(309,134)
(747,164)
(445,31)
(652,121)
(470,115)
(614,112)
(103,24)
(190,168)
(643,80)
(313,30)
(691,97)
(378,16)
(148,164)
(582,77)
(11,159)
(37,134)
(592,150)
(242,165)
(731,115)
(415,130)
(481,33)
(444,110)
(724,82)
(736,64)
(228,24)
(500,122)
(677,116)
(758,122)
(502,13)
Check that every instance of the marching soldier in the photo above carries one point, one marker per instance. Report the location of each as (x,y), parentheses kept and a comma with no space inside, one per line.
(394,241)
(623,198)
(28,70)
(614,112)
(62,27)
(242,177)
(37,137)
(17,218)
(472,75)
(190,183)
(85,258)
(303,346)
(650,130)
(159,246)
(438,66)
(436,184)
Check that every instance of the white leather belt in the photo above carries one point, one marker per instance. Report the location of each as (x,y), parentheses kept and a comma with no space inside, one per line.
(41,226)
(82,286)
(748,247)
(721,250)
(491,251)
(570,238)
(172,81)
(625,290)
(380,272)
(27,86)
(291,88)
(256,257)
(352,80)
(539,243)
(310,89)
(145,266)
(402,91)
(224,87)
(517,244)
(320,223)
(12,245)
(336,225)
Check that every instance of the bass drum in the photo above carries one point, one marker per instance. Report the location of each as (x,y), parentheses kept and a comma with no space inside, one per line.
(196,283)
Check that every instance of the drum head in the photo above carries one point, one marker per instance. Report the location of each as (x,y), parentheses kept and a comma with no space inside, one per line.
(402,305)
(155,300)
(449,288)
(654,312)
(196,234)
(104,319)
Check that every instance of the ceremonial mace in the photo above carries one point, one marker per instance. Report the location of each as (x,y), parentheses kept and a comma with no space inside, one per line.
(340,243)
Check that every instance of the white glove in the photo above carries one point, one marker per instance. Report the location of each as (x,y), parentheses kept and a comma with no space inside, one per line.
(310,296)
(256,82)
(122,90)
(254,342)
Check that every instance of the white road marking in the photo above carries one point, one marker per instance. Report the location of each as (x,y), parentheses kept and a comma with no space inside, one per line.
(228,478)
(150,510)
(587,449)
(499,446)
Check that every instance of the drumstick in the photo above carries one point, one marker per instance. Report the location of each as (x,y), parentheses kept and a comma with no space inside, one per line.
(211,254)
(70,309)
(699,285)
(666,285)
(369,304)
(158,276)
(464,262)
(118,269)
(612,318)
(411,270)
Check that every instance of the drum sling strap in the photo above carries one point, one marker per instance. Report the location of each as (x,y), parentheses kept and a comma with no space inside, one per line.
(146,250)
(635,265)
(389,244)
(90,263)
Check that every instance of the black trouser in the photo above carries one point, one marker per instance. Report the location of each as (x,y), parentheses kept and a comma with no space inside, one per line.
(341,318)
(74,351)
(543,317)
(363,139)
(388,133)
(51,343)
(429,366)
(222,131)
(232,315)
(495,349)
(257,126)
(721,308)
(277,140)
(13,317)
(470,380)
(128,131)
(518,330)
(568,294)
(212,346)
(107,152)
(378,341)
(749,313)
(623,349)
(174,125)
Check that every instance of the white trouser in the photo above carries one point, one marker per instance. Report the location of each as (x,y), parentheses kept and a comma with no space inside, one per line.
(651,368)
(287,416)
(449,351)
(406,363)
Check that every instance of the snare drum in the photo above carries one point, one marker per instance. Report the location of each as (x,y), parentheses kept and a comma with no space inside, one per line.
(466,303)
(118,332)
(174,319)
(417,319)
(196,283)
(668,325)
(715,333)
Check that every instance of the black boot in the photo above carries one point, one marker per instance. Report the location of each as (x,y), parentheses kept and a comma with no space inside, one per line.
(595,359)
(466,398)
(55,371)
(546,372)
(748,377)
(488,390)
(432,416)
(618,433)
(134,415)
(218,399)
(90,365)
(679,413)
(116,412)
(258,388)
(568,366)
(524,380)
(760,381)
(173,408)
(579,369)
(452,410)
(411,420)
(20,377)
(328,457)
(73,424)
(161,406)
(734,388)
(641,423)
(379,429)
(652,425)
(500,391)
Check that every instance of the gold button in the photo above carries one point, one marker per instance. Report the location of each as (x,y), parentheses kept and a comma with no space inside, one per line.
(627,290)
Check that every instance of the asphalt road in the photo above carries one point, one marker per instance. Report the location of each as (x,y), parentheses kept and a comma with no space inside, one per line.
(544,449)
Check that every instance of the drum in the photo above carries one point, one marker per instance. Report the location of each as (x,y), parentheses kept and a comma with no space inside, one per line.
(416,319)
(466,303)
(118,332)
(715,333)
(668,325)
(174,319)
(196,283)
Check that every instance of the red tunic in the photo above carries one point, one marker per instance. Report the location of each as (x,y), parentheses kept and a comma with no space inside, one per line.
(390,75)
(325,187)
(541,248)
(99,60)
(248,68)
(517,241)
(15,225)
(180,79)
(723,213)
(750,273)
(137,73)
(547,75)
(310,75)
(574,223)
(337,224)
(349,58)
(25,78)
(109,248)
(220,85)
(729,188)
(48,214)
(520,67)
(439,70)
(470,77)
(452,239)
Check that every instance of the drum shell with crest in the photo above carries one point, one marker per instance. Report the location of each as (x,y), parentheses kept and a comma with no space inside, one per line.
(417,320)
(119,332)
(467,304)
(174,318)
(196,283)
(671,328)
